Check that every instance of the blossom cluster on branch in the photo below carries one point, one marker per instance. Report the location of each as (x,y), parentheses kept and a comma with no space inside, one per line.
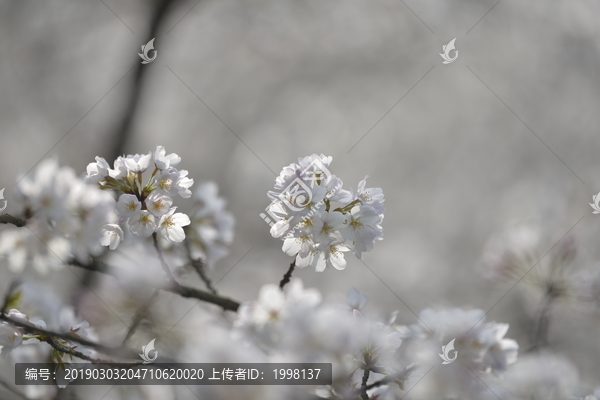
(318,219)
(70,220)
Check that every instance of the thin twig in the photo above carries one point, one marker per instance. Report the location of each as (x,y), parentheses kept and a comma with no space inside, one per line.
(163,263)
(67,350)
(9,219)
(199,267)
(288,275)
(29,328)
(139,316)
(363,387)
(157,19)
(173,287)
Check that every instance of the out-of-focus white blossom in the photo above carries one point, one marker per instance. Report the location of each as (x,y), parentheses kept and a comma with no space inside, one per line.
(112,235)
(479,345)
(10,338)
(539,376)
(65,217)
(211,229)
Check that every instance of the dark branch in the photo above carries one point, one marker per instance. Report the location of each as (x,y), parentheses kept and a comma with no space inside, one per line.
(173,287)
(288,274)
(29,328)
(9,219)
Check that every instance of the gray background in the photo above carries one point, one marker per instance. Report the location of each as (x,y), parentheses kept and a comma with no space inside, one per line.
(241,88)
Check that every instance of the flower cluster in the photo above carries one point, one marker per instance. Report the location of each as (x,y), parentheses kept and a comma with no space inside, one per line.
(318,220)
(12,336)
(144,208)
(481,345)
(294,324)
(64,216)
(212,225)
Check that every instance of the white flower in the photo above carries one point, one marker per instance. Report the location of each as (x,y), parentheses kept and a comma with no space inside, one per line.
(363,228)
(184,184)
(138,162)
(274,304)
(112,235)
(158,203)
(355,299)
(143,224)
(495,352)
(120,169)
(207,199)
(324,255)
(166,181)
(128,205)
(97,171)
(372,196)
(335,192)
(482,345)
(37,244)
(327,225)
(540,376)
(10,338)
(164,161)
(299,244)
(596,203)
(170,225)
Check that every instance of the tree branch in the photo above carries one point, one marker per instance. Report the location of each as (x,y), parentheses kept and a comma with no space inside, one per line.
(173,287)
(139,316)
(9,219)
(29,328)
(163,263)
(288,275)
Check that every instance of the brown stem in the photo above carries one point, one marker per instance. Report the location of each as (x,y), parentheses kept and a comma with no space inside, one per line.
(9,219)
(139,316)
(363,387)
(173,287)
(288,275)
(163,263)
(29,328)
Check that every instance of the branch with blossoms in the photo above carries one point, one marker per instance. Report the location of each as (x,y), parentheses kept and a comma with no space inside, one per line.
(9,219)
(172,286)
(131,206)
(318,220)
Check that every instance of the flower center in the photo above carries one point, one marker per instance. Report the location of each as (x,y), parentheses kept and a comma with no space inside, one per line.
(165,184)
(145,219)
(131,206)
(356,223)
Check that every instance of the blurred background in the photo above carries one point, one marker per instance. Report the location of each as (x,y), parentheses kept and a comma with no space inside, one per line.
(504,134)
